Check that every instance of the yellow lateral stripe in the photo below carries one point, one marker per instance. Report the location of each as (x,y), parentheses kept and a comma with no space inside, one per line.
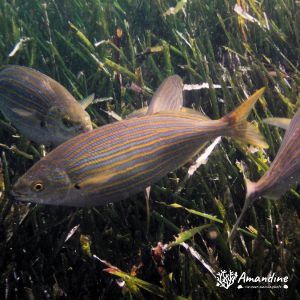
(94,133)
(130,149)
(94,180)
(118,163)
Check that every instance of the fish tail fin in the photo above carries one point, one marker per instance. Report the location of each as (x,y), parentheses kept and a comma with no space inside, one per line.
(250,192)
(241,129)
(250,188)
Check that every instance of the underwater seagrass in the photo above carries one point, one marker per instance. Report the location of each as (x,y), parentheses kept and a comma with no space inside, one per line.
(120,159)
(283,173)
(39,107)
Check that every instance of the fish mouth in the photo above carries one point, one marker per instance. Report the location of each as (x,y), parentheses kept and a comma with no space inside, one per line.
(85,128)
(88,127)
(17,196)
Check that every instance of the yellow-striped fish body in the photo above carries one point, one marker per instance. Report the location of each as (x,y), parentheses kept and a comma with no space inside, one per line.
(118,160)
(284,172)
(39,107)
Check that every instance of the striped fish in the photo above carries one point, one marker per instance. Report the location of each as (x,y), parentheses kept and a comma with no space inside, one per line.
(120,159)
(39,107)
(284,172)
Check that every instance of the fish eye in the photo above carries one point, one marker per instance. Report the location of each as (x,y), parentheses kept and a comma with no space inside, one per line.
(37,186)
(67,122)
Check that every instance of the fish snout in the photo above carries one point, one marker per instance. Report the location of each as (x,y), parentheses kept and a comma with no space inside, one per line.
(85,128)
(17,196)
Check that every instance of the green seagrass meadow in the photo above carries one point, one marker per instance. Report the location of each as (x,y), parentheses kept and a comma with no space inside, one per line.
(172,244)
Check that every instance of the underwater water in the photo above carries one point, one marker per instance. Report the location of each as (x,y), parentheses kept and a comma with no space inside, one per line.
(172,240)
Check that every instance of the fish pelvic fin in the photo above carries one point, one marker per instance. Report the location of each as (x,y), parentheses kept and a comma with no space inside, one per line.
(241,129)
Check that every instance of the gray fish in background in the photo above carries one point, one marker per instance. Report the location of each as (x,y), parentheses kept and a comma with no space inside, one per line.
(121,159)
(39,107)
(284,172)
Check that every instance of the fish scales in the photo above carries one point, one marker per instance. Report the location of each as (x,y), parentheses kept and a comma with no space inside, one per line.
(22,94)
(112,137)
(138,141)
(120,159)
(147,149)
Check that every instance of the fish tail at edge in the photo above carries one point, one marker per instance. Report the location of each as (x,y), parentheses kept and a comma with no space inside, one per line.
(249,199)
(241,129)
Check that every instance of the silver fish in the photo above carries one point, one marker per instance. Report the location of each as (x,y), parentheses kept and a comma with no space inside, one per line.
(39,107)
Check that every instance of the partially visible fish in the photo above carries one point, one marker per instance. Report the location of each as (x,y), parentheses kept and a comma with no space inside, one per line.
(283,173)
(39,107)
(120,159)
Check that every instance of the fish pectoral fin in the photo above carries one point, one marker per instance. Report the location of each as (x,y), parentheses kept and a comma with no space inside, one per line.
(168,97)
(87,101)
(279,122)
(30,115)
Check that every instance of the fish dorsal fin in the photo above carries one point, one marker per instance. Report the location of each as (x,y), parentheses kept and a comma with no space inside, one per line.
(283,123)
(168,97)
(87,101)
